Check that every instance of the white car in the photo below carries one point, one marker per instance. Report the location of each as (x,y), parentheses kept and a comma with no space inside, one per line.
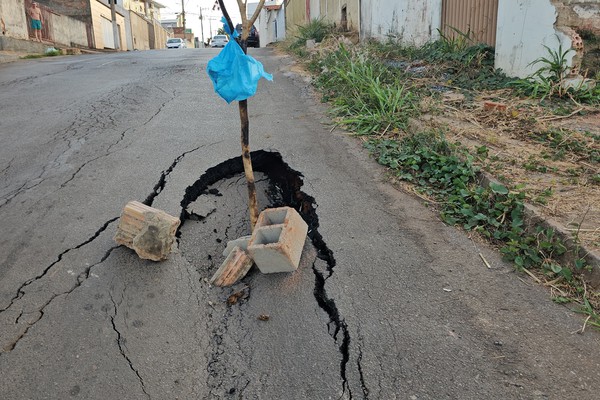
(176,43)
(219,41)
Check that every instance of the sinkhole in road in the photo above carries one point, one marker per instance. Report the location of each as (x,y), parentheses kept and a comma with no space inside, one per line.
(218,201)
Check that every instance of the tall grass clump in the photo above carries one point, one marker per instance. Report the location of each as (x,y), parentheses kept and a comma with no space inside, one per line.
(549,80)
(366,96)
(317,29)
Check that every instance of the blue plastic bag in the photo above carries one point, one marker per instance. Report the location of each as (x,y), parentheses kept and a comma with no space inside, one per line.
(235,75)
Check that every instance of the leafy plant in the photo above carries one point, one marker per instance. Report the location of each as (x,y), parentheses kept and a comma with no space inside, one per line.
(446,172)
(317,29)
(549,79)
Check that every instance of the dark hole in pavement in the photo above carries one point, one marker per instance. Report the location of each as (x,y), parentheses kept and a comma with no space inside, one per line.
(215,210)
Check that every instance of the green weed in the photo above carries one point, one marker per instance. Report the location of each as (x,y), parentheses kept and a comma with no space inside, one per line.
(366,96)
(317,29)
(446,172)
(548,81)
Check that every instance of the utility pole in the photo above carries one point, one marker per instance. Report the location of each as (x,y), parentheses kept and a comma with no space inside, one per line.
(202,26)
(113,16)
(183,19)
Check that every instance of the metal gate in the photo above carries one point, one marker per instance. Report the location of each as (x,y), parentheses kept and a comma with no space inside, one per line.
(107,34)
(478,18)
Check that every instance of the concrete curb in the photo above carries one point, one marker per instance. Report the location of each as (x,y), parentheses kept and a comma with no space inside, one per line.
(533,218)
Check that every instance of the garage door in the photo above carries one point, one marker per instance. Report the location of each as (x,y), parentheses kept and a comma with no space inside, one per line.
(478,17)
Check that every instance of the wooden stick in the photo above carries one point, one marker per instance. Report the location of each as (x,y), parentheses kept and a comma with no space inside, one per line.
(535,278)
(485,261)
(243,107)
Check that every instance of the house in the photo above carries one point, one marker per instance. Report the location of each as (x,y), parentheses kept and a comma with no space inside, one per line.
(88,23)
(271,22)
(519,30)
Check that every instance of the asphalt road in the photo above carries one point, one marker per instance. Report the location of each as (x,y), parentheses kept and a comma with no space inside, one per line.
(388,302)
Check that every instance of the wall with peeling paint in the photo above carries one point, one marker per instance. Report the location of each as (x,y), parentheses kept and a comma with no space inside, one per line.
(13,14)
(524,28)
(411,22)
(331,10)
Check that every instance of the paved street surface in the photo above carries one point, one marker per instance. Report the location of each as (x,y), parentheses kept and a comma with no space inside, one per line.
(388,303)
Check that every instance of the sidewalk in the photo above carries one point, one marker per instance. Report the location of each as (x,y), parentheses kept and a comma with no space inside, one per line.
(12,49)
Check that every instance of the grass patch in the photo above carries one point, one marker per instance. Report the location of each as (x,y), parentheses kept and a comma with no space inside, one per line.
(366,96)
(51,53)
(374,89)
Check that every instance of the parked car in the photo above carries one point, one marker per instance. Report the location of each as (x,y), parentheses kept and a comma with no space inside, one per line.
(253,38)
(219,41)
(176,43)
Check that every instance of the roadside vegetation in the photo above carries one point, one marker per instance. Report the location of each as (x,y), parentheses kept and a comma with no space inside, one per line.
(49,53)
(440,116)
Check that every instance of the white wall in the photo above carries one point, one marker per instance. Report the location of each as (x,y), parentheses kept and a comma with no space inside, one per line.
(268,21)
(524,27)
(412,22)
(13,14)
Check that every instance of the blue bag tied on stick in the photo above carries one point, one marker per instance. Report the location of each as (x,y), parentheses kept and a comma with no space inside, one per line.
(235,75)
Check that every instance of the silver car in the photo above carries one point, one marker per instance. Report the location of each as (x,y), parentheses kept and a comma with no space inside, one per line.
(219,41)
(176,43)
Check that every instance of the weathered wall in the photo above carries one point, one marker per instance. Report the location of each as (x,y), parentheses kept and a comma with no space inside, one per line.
(78,9)
(578,14)
(13,14)
(295,14)
(271,26)
(69,31)
(160,35)
(411,22)
(101,11)
(139,32)
(524,27)
(331,10)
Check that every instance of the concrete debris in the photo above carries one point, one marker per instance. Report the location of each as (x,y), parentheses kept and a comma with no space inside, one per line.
(242,242)
(277,240)
(148,231)
(235,267)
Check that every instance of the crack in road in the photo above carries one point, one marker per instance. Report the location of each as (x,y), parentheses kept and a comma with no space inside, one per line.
(80,279)
(121,342)
(162,181)
(21,289)
(285,191)
(70,135)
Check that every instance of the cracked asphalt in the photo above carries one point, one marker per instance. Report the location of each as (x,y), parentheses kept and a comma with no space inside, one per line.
(388,302)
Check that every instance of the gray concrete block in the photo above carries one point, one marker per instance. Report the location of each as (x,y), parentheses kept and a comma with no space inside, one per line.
(277,240)
(242,242)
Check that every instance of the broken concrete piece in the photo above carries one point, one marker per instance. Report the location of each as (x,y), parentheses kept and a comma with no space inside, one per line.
(148,231)
(235,267)
(242,242)
(202,207)
(277,240)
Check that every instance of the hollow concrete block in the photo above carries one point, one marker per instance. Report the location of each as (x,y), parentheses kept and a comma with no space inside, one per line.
(277,240)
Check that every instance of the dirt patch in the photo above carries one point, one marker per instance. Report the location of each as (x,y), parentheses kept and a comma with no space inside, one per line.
(554,160)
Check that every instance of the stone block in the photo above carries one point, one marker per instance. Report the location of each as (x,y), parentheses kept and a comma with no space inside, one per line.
(242,242)
(148,231)
(235,267)
(277,240)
